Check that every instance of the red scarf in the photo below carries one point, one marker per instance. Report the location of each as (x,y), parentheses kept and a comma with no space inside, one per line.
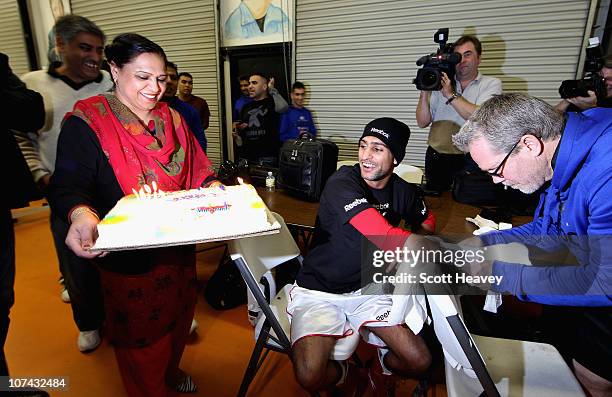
(172,157)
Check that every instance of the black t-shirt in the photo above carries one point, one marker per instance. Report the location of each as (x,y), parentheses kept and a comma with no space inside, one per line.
(334,263)
(260,138)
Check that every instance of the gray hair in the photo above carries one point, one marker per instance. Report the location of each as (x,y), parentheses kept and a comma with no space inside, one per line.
(505,118)
(68,26)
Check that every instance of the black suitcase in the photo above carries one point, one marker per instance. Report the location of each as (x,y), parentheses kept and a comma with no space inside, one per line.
(305,164)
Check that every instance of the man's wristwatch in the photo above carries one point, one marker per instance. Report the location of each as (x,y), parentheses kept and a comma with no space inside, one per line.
(452,97)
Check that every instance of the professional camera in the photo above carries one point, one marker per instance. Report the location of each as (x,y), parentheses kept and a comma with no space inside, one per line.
(591,81)
(429,77)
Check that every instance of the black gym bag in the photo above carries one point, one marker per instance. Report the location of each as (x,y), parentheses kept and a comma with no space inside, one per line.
(305,164)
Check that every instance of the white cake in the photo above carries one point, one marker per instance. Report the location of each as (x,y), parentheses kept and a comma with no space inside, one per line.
(182,217)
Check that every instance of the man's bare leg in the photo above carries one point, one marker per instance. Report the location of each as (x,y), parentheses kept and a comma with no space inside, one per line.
(408,355)
(314,370)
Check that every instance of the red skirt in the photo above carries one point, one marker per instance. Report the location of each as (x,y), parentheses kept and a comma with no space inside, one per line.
(142,308)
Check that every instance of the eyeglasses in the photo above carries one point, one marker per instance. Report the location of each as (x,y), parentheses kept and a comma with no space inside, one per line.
(499,170)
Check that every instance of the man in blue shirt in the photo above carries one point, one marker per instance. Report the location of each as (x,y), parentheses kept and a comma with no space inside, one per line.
(298,119)
(523,142)
(189,113)
(244,99)
(256,18)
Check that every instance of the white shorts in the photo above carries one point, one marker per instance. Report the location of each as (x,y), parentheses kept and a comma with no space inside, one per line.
(316,313)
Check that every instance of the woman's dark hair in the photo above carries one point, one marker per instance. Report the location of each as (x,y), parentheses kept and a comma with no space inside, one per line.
(127,46)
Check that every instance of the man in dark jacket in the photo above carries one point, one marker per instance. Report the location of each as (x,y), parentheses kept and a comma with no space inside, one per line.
(22,109)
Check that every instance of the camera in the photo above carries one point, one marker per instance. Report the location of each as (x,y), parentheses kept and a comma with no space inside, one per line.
(591,81)
(429,77)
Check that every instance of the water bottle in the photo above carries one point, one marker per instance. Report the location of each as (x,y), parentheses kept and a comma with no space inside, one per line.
(270,181)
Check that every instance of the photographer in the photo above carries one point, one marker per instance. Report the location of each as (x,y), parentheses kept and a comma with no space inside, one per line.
(447,109)
(580,103)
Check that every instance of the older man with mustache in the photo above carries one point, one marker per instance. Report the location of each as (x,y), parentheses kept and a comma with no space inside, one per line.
(78,76)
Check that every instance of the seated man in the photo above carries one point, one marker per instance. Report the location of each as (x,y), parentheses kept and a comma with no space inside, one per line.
(326,303)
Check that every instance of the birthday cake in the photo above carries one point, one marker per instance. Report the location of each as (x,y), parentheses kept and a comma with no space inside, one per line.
(152,218)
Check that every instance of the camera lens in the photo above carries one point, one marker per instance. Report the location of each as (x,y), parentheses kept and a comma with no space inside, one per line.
(428,79)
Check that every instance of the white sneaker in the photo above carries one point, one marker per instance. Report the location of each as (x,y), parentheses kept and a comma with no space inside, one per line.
(88,340)
(194,326)
(65,296)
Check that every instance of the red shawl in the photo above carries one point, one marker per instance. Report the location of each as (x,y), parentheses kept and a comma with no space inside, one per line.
(172,157)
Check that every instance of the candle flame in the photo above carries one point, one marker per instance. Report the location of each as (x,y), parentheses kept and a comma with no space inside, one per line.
(148,192)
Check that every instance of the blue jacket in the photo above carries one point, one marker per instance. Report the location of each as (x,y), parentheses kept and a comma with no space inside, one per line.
(296,121)
(574,213)
(240,102)
(192,118)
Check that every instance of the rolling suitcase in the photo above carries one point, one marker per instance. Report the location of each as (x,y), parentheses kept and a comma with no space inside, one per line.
(305,164)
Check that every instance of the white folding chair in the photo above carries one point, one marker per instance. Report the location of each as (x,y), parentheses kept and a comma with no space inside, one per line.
(498,367)
(409,173)
(480,365)
(254,257)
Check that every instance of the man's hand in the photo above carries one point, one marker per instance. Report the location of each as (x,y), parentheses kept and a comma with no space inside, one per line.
(476,264)
(271,83)
(82,235)
(43,182)
(482,270)
(415,243)
(241,126)
(584,102)
(476,267)
(419,242)
(237,138)
(471,243)
(447,86)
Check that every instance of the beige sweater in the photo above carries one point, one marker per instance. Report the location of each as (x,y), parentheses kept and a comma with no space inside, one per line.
(39,147)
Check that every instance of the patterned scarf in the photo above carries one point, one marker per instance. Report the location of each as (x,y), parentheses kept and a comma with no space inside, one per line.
(167,153)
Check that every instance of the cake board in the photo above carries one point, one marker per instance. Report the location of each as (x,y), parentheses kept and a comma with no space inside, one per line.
(273,229)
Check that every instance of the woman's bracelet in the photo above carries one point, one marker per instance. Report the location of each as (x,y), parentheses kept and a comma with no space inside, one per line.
(81,210)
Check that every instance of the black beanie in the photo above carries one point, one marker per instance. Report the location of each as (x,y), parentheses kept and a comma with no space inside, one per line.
(392,132)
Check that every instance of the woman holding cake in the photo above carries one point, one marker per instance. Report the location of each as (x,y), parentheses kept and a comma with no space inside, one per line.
(109,145)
